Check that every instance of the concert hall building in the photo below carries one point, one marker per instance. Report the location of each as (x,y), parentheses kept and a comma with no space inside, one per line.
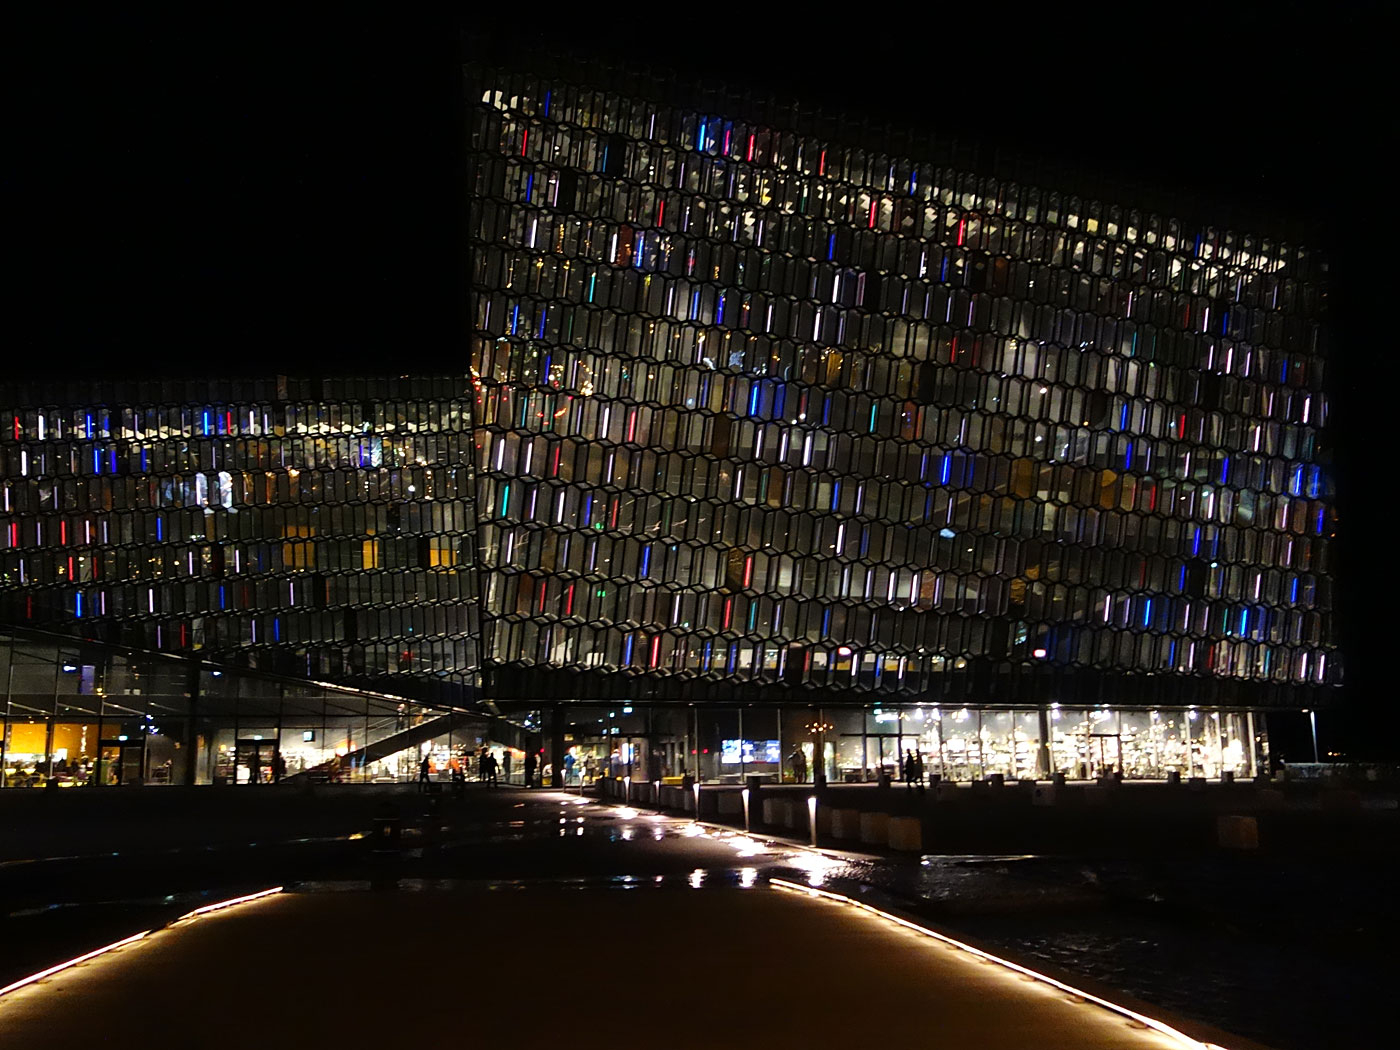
(776,434)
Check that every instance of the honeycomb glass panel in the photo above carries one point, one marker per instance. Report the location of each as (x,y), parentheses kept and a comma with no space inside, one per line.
(751,414)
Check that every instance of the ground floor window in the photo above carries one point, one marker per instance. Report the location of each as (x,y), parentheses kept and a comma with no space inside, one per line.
(857,744)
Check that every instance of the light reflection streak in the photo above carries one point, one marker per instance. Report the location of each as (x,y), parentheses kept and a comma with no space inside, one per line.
(815,865)
(747,847)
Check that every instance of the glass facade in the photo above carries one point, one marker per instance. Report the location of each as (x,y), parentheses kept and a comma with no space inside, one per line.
(78,714)
(723,744)
(762,413)
(860,452)
(318,528)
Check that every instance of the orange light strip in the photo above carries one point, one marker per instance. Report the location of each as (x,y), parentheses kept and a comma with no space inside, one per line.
(221,905)
(1150,1022)
(26,981)
(72,962)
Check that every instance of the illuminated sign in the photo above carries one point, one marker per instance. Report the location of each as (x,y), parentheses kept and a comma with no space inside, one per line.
(733,752)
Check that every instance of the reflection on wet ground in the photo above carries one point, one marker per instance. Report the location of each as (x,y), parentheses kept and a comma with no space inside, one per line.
(1263,950)
(1267,949)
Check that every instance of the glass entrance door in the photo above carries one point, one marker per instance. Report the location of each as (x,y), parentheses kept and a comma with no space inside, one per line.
(120,762)
(1106,751)
(256,762)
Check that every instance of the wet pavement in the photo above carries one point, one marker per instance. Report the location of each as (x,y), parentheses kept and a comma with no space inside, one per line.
(1155,932)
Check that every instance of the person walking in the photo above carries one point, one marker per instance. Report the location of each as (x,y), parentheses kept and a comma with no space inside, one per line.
(909,770)
(799,765)
(529,769)
(425,774)
(919,768)
(492,767)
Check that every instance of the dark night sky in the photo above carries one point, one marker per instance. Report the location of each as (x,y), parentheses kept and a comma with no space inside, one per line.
(285,194)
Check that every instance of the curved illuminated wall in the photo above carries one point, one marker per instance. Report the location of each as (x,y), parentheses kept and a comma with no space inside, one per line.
(763,414)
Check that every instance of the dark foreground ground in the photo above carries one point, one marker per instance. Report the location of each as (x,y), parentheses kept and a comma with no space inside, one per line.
(1290,952)
(481,982)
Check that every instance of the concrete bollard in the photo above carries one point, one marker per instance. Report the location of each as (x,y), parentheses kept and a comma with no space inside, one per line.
(845,823)
(1237,832)
(875,829)
(771,816)
(996,780)
(906,834)
(730,803)
(824,820)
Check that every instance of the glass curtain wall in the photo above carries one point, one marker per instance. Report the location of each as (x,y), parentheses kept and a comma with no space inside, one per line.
(956,744)
(322,528)
(77,715)
(757,405)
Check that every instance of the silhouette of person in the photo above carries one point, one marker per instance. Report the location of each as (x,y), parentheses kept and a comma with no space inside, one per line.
(529,769)
(799,766)
(425,769)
